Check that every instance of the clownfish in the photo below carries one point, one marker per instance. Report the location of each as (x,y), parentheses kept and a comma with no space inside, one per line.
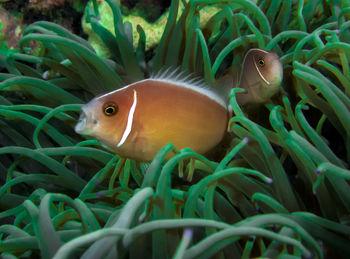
(137,120)
(261,77)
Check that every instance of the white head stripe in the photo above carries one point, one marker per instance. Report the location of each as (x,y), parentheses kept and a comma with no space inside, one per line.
(262,77)
(129,122)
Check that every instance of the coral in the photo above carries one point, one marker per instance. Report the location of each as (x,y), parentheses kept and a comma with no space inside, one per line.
(280,191)
(45,4)
(65,13)
(11,30)
(153,30)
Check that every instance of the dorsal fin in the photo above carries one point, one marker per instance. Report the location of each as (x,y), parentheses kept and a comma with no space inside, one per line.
(183,79)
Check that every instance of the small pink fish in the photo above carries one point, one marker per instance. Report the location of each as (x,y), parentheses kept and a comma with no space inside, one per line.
(261,76)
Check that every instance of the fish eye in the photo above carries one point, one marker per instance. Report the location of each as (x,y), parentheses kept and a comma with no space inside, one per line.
(261,62)
(110,109)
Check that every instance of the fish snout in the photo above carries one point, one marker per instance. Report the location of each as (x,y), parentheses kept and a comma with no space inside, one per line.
(80,127)
(87,123)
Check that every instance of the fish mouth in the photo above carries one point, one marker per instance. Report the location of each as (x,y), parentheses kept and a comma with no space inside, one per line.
(87,124)
(80,127)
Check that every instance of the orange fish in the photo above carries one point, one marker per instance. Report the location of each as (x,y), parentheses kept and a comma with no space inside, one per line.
(137,120)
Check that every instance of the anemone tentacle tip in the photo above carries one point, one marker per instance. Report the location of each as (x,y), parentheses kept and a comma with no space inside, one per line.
(251,238)
(246,139)
(45,75)
(188,232)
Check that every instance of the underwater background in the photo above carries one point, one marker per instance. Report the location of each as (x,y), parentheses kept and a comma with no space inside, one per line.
(280,189)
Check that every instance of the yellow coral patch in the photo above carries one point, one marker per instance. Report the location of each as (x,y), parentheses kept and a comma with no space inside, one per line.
(153,30)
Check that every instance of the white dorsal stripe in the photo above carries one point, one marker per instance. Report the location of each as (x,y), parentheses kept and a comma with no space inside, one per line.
(192,86)
(129,122)
(181,80)
(185,80)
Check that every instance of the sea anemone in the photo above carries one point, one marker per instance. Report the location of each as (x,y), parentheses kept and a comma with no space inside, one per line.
(281,190)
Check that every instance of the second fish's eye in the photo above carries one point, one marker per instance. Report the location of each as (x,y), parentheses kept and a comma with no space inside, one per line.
(261,62)
(110,109)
